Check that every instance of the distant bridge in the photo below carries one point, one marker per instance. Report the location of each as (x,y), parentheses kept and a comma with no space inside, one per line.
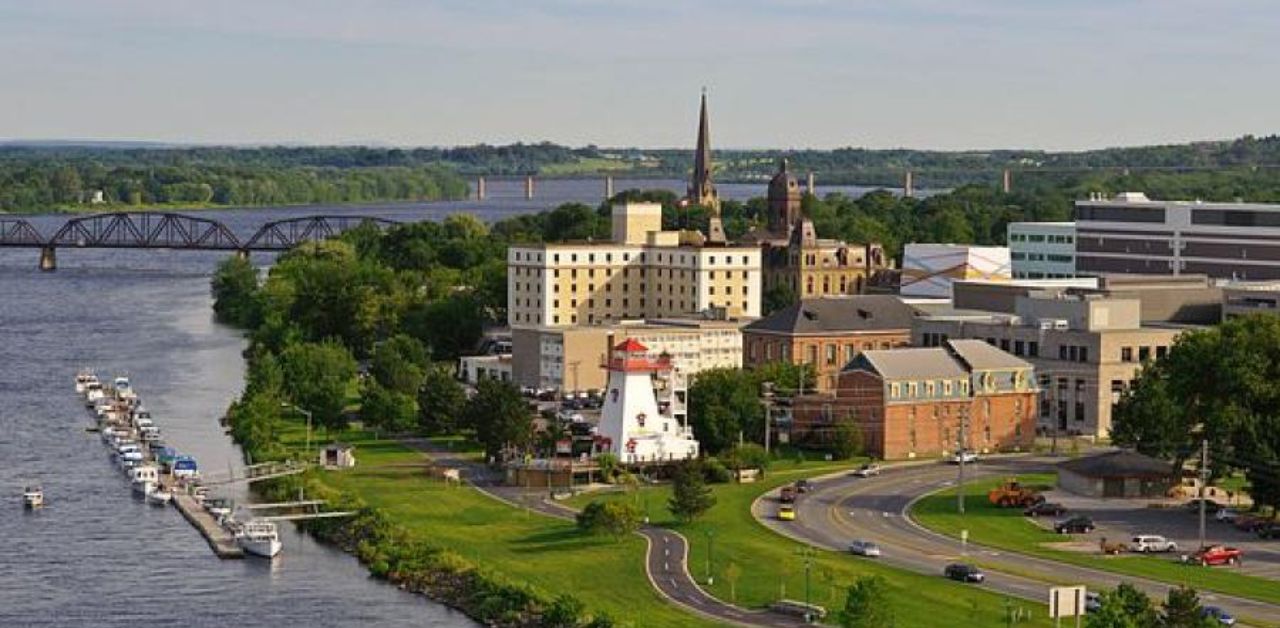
(156,230)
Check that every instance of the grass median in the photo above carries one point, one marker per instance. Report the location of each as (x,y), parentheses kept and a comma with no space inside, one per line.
(770,566)
(549,554)
(1008,529)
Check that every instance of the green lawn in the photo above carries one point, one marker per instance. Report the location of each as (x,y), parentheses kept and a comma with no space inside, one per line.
(1006,528)
(547,553)
(768,561)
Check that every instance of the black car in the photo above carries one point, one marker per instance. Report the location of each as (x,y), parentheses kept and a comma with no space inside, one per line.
(964,572)
(1210,507)
(1269,530)
(1074,525)
(1045,509)
(803,486)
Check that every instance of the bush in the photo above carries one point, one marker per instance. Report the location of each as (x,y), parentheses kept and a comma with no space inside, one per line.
(715,471)
(614,518)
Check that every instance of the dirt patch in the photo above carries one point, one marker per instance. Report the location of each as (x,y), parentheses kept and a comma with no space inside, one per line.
(1078,547)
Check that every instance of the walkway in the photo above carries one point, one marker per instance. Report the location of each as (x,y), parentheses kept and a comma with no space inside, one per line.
(666,563)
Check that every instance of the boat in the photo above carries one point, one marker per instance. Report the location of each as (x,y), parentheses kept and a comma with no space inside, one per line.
(165,456)
(259,537)
(159,497)
(93,392)
(33,497)
(185,467)
(145,478)
(124,390)
(82,380)
(219,507)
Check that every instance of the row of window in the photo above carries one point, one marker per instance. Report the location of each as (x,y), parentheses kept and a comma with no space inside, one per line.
(671,289)
(1040,237)
(1019,256)
(830,351)
(607,258)
(930,389)
(1127,354)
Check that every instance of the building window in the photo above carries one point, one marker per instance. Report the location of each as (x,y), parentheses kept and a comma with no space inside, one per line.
(1018,346)
(894,391)
(813,354)
(1079,412)
(1033,349)
(1144,354)
(1126,354)
(1004,344)
(1084,354)
(1062,352)
(1161,351)
(849,352)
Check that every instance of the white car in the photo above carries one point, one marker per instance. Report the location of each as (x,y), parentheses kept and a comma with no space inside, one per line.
(867,470)
(864,548)
(1148,543)
(966,456)
(1227,515)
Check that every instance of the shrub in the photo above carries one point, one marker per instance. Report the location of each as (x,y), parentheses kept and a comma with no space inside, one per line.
(715,471)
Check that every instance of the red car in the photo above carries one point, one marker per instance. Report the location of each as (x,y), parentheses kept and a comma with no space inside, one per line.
(1216,555)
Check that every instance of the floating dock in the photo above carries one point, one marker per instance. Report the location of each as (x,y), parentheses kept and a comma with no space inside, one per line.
(220,540)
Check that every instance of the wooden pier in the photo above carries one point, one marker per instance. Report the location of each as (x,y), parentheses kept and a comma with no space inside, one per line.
(220,540)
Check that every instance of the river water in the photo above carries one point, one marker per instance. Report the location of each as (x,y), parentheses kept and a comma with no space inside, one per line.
(95,555)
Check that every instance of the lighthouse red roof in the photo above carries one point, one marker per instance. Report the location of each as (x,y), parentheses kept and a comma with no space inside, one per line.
(631,345)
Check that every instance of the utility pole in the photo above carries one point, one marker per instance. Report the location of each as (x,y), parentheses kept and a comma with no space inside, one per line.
(574,366)
(767,401)
(1204,479)
(807,552)
(964,426)
(710,579)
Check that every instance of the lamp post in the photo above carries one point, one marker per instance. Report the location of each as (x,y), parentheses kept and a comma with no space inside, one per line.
(710,545)
(807,553)
(767,400)
(307,413)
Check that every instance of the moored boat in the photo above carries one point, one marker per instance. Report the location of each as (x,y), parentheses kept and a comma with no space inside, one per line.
(124,389)
(33,497)
(159,497)
(259,537)
(82,380)
(185,467)
(145,478)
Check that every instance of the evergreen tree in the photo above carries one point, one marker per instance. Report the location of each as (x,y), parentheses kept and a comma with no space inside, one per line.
(690,495)
(867,604)
(440,401)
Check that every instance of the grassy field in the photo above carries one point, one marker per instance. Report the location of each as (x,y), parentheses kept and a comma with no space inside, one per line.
(1006,528)
(547,553)
(771,565)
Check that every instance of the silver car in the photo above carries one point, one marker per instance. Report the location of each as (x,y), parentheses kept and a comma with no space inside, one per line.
(864,548)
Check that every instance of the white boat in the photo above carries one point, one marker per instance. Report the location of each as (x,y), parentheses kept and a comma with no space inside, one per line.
(124,390)
(82,380)
(159,497)
(145,478)
(33,497)
(93,392)
(259,537)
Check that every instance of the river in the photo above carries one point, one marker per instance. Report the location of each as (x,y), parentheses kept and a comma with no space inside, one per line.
(95,555)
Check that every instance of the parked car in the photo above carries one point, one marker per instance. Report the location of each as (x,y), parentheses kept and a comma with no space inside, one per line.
(1219,615)
(1248,523)
(1075,525)
(1092,601)
(1051,509)
(1227,515)
(1215,555)
(786,512)
(803,486)
(1269,530)
(966,456)
(1210,506)
(787,495)
(1148,543)
(864,548)
(964,572)
(867,470)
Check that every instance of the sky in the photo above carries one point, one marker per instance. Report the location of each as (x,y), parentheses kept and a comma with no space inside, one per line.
(932,74)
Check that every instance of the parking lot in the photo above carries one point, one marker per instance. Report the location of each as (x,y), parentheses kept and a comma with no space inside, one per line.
(1120,519)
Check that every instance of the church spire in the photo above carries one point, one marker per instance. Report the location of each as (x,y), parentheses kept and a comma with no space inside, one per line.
(701,190)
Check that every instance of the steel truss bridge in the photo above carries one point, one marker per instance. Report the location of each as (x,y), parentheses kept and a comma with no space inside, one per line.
(157,230)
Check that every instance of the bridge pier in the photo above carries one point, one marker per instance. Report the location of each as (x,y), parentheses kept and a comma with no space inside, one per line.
(528,187)
(1007,182)
(48,258)
(480,188)
(608,187)
(242,254)
(812,189)
(908,184)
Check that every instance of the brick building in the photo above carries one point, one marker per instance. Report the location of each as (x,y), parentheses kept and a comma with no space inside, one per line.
(828,333)
(913,402)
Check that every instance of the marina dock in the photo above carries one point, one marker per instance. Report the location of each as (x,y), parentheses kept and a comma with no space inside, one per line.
(220,540)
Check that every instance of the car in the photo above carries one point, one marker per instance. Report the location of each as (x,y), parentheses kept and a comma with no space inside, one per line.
(1269,530)
(786,512)
(803,486)
(1210,506)
(1051,509)
(864,548)
(867,470)
(1149,543)
(1219,615)
(1215,555)
(787,495)
(1227,515)
(1248,523)
(1074,525)
(964,572)
(966,456)
(1092,601)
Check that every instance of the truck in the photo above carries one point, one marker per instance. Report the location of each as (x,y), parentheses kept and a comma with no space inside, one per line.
(1011,494)
(1215,555)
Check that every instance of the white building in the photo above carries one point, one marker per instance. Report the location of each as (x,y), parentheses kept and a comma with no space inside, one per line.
(1130,233)
(632,425)
(1042,250)
(929,269)
(472,368)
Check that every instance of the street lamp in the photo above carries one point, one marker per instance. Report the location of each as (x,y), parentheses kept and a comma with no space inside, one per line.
(807,553)
(766,393)
(308,415)
(710,544)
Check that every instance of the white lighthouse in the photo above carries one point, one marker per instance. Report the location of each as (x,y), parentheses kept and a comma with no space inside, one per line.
(630,422)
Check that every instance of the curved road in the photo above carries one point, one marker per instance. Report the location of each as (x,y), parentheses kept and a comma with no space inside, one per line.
(842,507)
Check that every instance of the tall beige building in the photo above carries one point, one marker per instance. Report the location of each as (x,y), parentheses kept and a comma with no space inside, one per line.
(643,273)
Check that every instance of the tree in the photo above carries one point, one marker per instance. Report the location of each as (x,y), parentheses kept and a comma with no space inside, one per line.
(690,495)
(499,416)
(608,463)
(397,364)
(1124,607)
(776,298)
(235,292)
(615,518)
(316,378)
(733,573)
(388,410)
(451,326)
(867,604)
(747,456)
(846,440)
(723,404)
(441,400)
(1182,610)
(564,612)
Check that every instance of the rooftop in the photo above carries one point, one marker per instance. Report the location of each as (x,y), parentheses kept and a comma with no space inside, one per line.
(914,363)
(1119,464)
(831,315)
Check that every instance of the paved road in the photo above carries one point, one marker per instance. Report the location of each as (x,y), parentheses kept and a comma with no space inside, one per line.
(666,563)
(842,508)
